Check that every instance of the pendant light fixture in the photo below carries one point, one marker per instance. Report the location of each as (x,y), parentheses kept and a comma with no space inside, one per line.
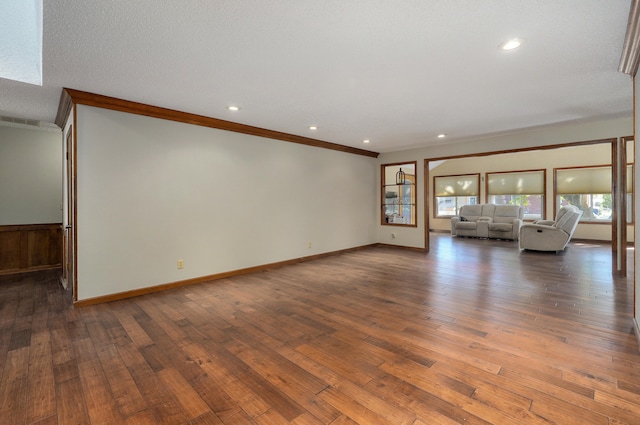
(400,177)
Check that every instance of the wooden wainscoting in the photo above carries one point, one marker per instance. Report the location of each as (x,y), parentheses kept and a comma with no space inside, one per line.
(30,247)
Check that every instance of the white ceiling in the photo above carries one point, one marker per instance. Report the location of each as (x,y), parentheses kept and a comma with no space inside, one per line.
(396,72)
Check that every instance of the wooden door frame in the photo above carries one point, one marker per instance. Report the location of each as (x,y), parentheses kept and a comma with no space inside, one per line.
(69,271)
(66,246)
(619,185)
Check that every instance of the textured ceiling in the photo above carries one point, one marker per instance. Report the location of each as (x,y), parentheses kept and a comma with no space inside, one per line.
(395,72)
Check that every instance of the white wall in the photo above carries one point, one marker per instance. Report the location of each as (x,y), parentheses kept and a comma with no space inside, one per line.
(150,192)
(30,176)
(568,133)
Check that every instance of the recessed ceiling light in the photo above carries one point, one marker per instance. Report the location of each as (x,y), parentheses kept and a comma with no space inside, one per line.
(313,127)
(514,43)
(233,108)
(366,141)
(441,136)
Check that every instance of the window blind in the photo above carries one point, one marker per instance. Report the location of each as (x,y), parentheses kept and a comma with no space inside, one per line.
(583,180)
(526,182)
(588,180)
(466,185)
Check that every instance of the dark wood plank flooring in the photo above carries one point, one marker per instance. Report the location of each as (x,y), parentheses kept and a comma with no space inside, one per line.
(474,332)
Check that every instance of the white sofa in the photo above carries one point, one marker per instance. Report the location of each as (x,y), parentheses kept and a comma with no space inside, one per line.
(548,235)
(488,221)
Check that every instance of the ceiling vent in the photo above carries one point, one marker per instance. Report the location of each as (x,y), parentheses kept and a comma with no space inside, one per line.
(22,121)
(26,123)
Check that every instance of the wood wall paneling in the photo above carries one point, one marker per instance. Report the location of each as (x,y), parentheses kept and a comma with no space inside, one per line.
(30,247)
(9,249)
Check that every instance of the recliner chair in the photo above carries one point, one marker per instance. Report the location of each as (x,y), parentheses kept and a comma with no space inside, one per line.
(548,235)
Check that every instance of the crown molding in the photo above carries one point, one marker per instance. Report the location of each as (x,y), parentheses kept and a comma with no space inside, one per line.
(72,97)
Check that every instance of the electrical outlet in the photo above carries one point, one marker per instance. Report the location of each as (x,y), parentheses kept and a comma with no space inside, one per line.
(393,236)
(309,245)
(181,264)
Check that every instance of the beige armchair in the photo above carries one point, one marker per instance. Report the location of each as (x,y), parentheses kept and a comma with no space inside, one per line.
(547,235)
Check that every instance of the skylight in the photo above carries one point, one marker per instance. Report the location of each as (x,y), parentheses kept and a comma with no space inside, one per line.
(21,40)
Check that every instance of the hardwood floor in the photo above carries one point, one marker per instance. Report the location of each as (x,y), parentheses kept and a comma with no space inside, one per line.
(474,332)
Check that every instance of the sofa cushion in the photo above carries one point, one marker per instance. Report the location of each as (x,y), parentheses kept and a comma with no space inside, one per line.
(568,222)
(467,225)
(488,210)
(471,210)
(501,227)
(562,211)
(506,220)
(567,218)
(507,213)
(562,222)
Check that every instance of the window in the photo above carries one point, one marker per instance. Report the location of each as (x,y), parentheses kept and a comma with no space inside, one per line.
(524,188)
(452,192)
(399,194)
(21,41)
(589,188)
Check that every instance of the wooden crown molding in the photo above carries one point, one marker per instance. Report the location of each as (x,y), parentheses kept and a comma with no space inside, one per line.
(71,97)
(527,149)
